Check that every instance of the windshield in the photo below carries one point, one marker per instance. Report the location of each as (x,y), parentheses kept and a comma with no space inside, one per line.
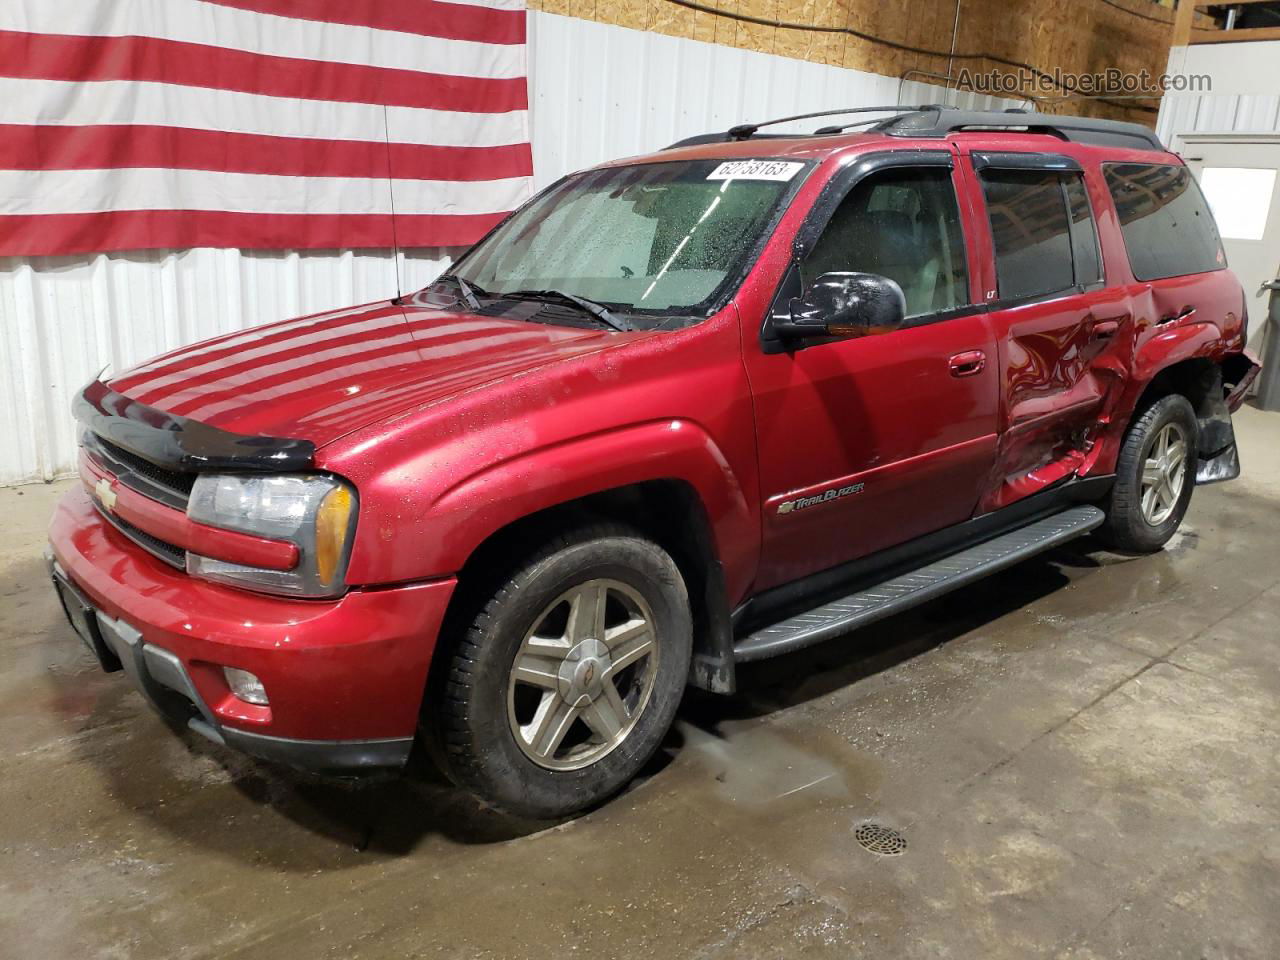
(664,237)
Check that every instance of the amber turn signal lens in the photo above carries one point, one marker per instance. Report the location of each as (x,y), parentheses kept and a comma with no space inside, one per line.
(332,524)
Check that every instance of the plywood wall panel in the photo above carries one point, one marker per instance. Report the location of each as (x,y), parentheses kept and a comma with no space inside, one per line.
(1077,36)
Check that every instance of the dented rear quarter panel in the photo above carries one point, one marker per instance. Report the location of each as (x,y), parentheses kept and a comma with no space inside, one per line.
(1154,342)
(1066,394)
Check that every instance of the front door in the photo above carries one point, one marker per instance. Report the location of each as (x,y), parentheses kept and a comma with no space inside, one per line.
(1241,182)
(869,442)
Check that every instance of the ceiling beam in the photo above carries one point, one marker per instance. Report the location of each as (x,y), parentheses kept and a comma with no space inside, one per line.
(1182,22)
(1236,36)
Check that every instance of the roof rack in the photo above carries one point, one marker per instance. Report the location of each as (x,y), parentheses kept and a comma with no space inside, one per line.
(938,120)
(747,131)
(1092,130)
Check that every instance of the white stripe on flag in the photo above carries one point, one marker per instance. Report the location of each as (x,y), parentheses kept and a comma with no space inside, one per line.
(64,103)
(210,24)
(93,191)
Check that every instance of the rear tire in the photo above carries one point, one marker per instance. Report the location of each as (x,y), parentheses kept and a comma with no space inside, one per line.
(569,676)
(1155,476)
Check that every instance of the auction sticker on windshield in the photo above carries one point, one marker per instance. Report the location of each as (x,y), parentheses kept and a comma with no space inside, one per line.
(755,170)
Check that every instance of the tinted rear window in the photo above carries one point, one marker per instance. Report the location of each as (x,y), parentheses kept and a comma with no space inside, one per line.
(1167,227)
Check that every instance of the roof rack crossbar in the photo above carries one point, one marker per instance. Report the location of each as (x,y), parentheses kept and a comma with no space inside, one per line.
(744,131)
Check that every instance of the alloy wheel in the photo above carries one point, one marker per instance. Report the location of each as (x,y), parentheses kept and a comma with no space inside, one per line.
(583,675)
(1164,473)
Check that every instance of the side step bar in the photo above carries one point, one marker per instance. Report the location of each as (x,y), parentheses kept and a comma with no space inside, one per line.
(917,587)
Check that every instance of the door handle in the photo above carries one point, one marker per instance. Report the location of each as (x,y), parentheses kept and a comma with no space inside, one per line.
(1104,327)
(967,364)
(1185,313)
(1270,285)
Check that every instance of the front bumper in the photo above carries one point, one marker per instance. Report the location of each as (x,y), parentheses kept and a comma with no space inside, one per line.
(345,678)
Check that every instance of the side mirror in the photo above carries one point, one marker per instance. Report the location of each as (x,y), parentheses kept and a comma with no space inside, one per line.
(845,305)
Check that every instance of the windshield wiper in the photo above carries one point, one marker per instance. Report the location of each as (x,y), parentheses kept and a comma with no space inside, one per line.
(470,294)
(597,310)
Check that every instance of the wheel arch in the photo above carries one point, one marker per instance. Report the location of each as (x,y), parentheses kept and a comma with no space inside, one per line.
(1193,377)
(670,512)
(1201,380)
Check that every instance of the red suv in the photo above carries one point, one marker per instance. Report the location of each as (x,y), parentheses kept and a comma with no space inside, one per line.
(677,413)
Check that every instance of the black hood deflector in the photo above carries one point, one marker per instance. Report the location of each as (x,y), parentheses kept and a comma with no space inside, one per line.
(177,443)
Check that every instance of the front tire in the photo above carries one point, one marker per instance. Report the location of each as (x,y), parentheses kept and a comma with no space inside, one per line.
(569,676)
(1154,476)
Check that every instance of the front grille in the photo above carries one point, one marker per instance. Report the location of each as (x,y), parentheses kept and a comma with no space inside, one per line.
(168,552)
(174,480)
(170,487)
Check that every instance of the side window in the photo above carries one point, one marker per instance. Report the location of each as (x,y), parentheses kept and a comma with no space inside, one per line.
(1030,232)
(904,224)
(1167,227)
(1043,232)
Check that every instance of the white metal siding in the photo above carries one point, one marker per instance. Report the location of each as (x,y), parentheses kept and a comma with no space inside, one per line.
(597,92)
(62,319)
(1244,95)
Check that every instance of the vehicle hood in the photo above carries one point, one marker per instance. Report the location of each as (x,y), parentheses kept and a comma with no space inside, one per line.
(320,377)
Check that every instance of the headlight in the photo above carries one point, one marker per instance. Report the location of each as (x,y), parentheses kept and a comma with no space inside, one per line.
(316,513)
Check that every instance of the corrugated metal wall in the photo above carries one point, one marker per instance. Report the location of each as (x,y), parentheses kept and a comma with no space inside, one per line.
(598,92)
(62,319)
(1218,113)
(1244,94)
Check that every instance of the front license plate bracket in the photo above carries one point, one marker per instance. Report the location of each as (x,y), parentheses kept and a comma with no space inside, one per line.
(84,621)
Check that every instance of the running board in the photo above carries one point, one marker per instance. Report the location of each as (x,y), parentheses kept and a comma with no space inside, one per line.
(917,587)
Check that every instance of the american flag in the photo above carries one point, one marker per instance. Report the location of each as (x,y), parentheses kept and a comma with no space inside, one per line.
(136,124)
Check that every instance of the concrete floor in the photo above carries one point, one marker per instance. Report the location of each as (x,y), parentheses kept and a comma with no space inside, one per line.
(1083,755)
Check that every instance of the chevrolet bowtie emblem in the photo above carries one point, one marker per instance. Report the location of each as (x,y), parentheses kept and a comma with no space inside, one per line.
(105,493)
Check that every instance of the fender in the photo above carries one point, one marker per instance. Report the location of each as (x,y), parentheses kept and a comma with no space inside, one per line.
(439,541)
(1157,353)
(1179,343)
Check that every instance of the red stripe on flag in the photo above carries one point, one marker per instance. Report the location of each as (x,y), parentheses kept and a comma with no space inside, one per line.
(426,18)
(83,59)
(114,146)
(68,233)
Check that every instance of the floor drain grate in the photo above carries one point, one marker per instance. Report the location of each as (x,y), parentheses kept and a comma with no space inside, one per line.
(881,840)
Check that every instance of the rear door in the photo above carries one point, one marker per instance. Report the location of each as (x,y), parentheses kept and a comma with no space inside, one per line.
(1051,312)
